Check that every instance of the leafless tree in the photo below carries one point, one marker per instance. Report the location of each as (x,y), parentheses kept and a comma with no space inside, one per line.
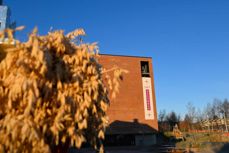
(162,115)
(191,110)
(161,119)
(225,107)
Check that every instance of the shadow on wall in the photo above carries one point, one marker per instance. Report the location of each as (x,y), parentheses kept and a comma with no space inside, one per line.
(122,133)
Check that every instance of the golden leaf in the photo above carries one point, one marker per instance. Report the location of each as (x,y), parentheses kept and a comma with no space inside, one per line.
(19,28)
(51,85)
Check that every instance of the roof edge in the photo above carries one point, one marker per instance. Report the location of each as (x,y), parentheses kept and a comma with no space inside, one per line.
(126,56)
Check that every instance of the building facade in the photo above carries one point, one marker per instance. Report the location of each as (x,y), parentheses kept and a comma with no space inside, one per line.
(132,114)
(4,16)
(5,21)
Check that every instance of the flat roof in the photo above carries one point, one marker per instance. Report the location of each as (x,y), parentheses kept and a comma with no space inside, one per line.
(126,56)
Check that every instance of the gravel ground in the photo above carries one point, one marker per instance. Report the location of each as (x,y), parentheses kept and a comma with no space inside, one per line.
(117,150)
(151,149)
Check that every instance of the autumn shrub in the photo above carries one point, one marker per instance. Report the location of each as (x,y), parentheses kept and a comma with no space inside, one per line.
(52,93)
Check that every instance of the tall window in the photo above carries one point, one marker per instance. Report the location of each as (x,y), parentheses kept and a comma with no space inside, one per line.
(145,69)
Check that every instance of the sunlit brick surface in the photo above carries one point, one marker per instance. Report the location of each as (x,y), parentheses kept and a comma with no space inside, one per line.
(129,105)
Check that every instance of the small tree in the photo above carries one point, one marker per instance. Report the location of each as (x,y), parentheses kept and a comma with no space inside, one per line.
(185,124)
(225,107)
(172,118)
(52,93)
(191,114)
(161,119)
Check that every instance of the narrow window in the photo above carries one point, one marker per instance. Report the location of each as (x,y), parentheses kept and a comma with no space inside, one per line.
(145,69)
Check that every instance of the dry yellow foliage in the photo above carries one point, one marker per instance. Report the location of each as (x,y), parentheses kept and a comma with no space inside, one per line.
(52,93)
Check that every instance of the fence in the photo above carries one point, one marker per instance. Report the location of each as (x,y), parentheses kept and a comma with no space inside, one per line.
(215,124)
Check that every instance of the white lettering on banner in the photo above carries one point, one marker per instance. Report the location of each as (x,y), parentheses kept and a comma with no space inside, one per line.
(148,98)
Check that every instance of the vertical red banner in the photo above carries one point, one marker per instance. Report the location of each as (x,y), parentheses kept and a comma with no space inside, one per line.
(148,98)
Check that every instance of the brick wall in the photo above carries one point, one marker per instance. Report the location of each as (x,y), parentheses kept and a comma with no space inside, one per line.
(129,104)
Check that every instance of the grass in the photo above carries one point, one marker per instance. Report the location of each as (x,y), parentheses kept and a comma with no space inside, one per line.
(203,141)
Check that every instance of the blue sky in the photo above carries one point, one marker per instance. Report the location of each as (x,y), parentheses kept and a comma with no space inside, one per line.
(187,39)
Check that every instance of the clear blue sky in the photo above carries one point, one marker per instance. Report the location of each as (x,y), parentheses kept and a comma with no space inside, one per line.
(187,39)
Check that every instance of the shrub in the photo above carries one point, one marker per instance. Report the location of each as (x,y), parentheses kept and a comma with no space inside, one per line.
(52,93)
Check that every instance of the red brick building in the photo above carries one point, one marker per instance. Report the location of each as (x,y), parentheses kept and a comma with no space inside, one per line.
(133,114)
